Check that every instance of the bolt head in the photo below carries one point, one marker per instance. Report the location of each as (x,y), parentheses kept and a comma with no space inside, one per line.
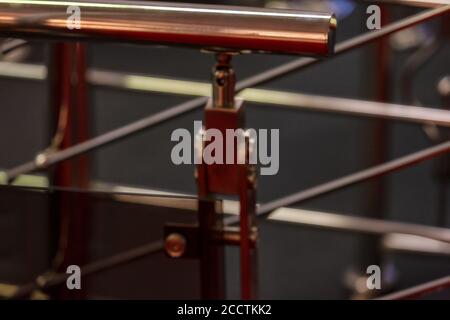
(175,245)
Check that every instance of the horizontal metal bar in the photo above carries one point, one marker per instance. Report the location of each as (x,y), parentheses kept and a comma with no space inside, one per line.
(261,78)
(420,290)
(23,71)
(26,180)
(7,290)
(417,241)
(340,222)
(414,244)
(275,97)
(123,81)
(337,222)
(203,26)
(350,106)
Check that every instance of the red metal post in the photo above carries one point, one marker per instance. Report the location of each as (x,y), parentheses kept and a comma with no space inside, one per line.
(68,94)
(222,113)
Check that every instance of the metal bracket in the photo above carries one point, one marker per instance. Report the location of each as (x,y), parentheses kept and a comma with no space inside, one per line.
(237,178)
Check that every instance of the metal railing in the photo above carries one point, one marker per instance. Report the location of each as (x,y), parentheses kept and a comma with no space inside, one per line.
(295,33)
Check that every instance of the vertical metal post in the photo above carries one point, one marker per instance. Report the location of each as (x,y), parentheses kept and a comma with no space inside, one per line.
(222,113)
(372,254)
(68,94)
(377,199)
(370,251)
(442,165)
(248,255)
(212,254)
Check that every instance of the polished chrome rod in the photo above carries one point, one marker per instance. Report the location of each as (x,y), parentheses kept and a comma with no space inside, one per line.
(357,225)
(203,26)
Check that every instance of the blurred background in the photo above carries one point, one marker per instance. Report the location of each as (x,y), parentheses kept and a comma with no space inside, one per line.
(294,262)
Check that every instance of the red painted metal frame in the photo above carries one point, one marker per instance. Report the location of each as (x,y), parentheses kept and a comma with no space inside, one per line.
(69,95)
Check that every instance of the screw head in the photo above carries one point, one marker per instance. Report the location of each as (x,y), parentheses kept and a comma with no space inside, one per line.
(175,245)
